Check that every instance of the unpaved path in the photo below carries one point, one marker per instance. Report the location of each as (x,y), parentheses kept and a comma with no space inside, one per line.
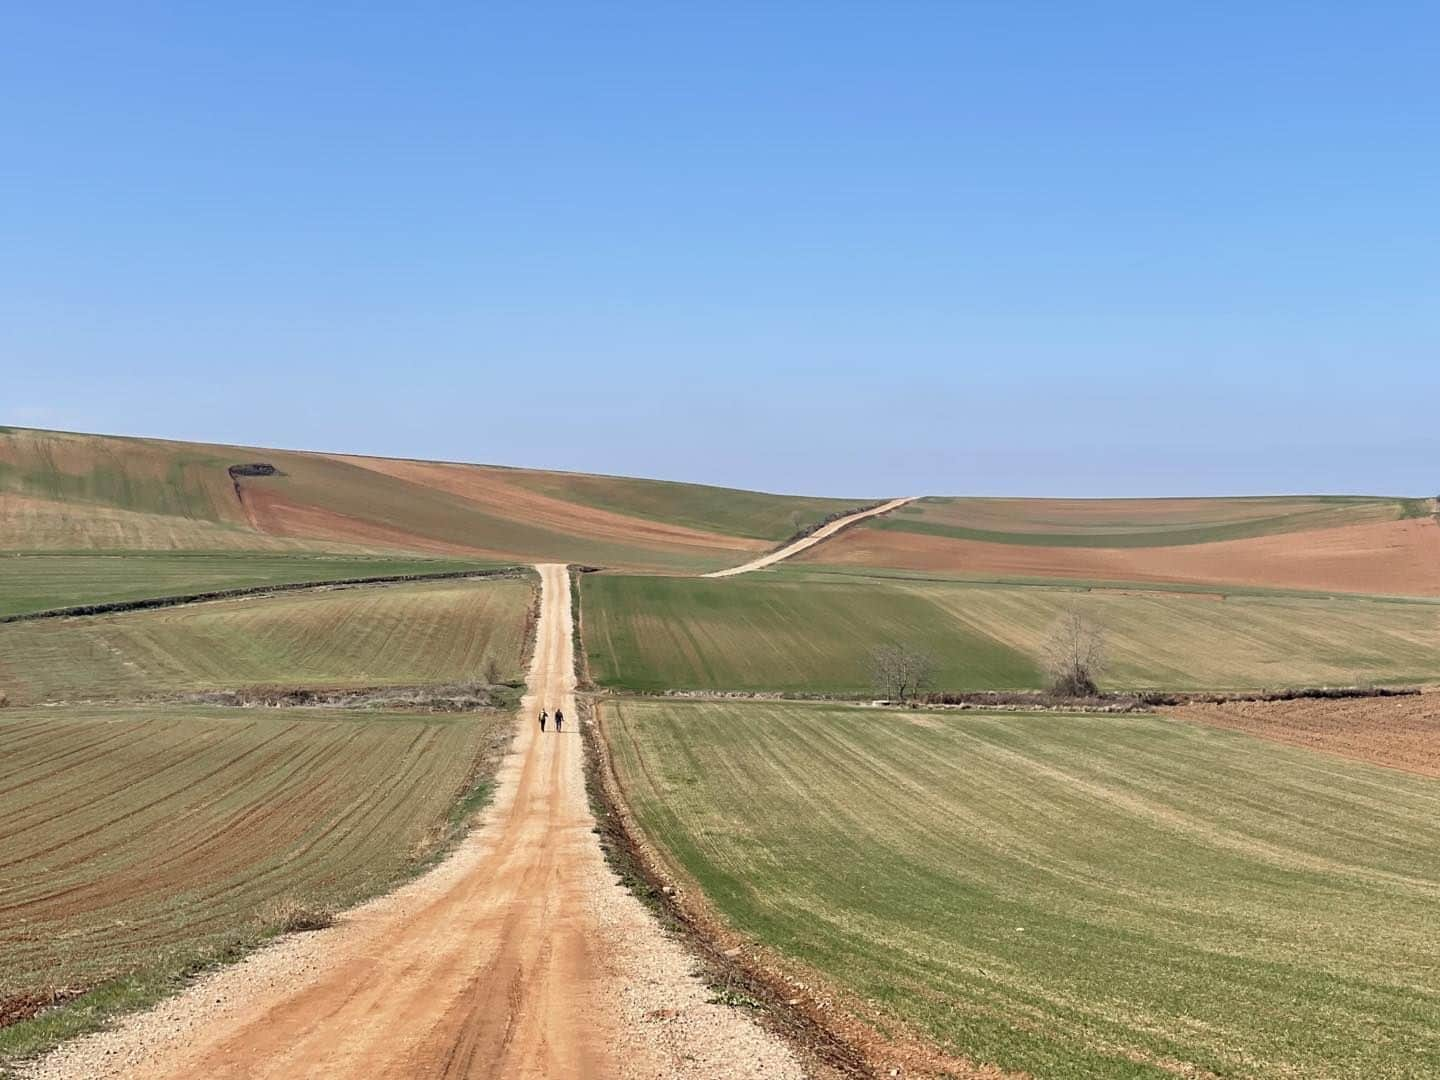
(520,957)
(822,533)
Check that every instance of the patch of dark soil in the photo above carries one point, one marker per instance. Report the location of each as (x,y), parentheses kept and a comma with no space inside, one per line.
(1298,693)
(19,1007)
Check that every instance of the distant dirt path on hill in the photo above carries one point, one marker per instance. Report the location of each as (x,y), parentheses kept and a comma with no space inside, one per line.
(823,533)
(521,956)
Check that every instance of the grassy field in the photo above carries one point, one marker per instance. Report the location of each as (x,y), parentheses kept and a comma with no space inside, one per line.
(72,492)
(758,632)
(1203,640)
(137,843)
(1072,896)
(1138,522)
(813,632)
(37,582)
(443,631)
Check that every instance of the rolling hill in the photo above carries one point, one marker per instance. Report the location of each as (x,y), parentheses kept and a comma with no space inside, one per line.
(66,492)
(1388,546)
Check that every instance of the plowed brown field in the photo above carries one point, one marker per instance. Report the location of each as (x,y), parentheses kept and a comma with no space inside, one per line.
(1394,557)
(491,489)
(1401,732)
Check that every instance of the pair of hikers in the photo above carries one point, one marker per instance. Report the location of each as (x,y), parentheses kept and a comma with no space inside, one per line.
(559,719)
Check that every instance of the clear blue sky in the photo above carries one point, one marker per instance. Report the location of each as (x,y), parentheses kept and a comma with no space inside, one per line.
(1045,248)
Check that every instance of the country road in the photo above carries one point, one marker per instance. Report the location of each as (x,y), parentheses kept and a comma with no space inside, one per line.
(520,957)
(823,533)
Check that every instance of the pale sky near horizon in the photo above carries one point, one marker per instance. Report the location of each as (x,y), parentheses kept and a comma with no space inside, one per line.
(831,248)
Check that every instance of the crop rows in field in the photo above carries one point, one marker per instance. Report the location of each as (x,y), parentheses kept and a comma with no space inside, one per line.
(759,633)
(786,633)
(447,631)
(1071,896)
(134,840)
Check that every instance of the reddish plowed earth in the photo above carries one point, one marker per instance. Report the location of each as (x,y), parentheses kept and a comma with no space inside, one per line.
(1391,557)
(274,515)
(489,490)
(1399,732)
(519,957)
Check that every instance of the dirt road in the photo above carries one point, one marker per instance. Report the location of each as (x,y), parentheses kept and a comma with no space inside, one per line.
(822,533)
(519,957)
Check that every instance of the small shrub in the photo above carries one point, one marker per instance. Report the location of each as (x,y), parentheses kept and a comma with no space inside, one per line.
(291,916)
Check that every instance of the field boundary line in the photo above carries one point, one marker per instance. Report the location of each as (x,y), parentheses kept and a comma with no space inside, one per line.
(152,602)
(816,536)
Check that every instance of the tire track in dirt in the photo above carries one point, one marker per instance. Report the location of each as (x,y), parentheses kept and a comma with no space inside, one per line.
(520,956)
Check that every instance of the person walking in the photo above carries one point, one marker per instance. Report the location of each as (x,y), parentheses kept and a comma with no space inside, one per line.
(543,718)
(559,719)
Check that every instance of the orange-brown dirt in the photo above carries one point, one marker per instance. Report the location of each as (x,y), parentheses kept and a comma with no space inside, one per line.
(1399,732)
(274,515)
(1393,558)
(489,489)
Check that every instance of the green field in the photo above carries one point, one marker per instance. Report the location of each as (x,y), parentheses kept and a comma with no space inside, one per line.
(1122,523)
(1071,896)
(37,582)
(443,631)
(139,843)
(758,632)
(812,632)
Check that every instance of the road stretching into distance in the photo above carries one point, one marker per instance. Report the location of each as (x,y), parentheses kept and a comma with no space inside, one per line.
(823,533)
(521,956)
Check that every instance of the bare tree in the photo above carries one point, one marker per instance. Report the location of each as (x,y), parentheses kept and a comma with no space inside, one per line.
(1074,655)
(901,671)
